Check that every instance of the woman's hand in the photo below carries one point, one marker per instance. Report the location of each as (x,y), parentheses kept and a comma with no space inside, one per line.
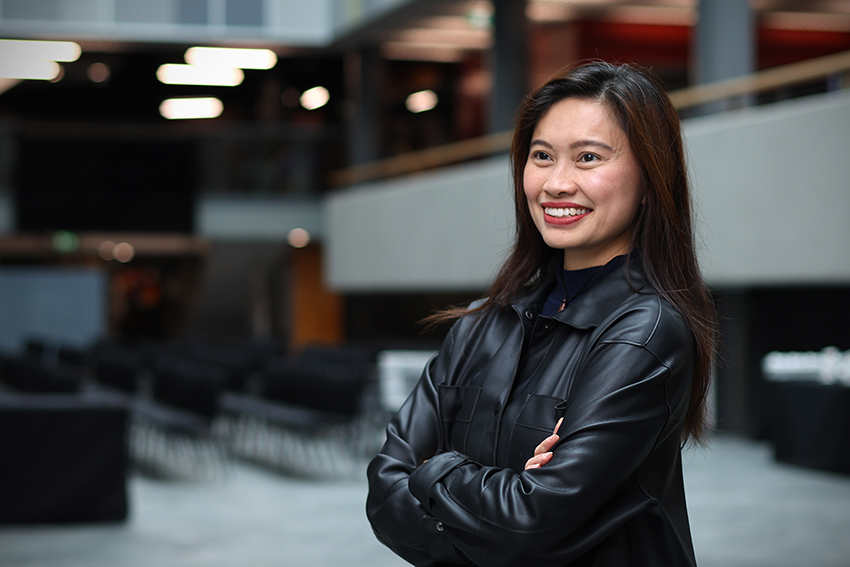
(543,453)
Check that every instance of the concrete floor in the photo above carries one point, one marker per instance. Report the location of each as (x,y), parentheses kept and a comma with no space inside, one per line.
(746,511)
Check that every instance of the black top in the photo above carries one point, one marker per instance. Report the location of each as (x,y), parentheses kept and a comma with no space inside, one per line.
(572,283)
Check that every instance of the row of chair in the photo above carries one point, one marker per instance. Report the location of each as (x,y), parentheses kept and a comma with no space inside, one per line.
(206,397)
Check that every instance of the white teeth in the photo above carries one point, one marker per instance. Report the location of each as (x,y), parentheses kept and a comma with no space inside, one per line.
(570,211)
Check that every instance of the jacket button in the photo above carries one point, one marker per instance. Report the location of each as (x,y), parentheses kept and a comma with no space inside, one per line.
(529,315)
(440,526)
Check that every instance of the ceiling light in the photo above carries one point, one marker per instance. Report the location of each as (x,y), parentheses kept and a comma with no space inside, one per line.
(298,238)
(421,101)
(29,69)
(43,50)
(124,252)
(190,108)
(206,75)
(106,250)
(231,57)
(314,98)
(98,72)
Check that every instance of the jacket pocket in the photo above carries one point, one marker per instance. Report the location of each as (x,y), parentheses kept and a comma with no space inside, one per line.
(535,422)
(457,406)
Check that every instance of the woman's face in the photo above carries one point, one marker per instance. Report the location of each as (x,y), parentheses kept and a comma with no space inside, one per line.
(582,182)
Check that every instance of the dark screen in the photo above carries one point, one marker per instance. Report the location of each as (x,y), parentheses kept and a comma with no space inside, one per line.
(105,185)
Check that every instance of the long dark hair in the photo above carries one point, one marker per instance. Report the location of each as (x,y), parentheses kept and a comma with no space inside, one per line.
(663,227)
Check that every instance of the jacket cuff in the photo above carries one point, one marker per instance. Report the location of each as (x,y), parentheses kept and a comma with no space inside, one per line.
(431,472)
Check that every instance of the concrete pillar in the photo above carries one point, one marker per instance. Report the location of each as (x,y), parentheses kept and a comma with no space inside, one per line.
(725,44)
(364,78)
(509,62)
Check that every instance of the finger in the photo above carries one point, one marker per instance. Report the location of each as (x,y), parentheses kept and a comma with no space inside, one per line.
(558,426)
(546,444)
(541,459)
(538,461)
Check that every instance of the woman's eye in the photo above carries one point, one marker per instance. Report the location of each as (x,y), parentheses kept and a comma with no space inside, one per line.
(587,158)
(541,155)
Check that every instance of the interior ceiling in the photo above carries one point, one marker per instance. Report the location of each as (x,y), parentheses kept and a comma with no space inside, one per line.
(443,31)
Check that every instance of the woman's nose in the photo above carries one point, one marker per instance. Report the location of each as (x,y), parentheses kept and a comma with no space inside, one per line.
(560,182)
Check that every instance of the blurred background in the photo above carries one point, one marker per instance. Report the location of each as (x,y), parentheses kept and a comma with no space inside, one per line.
(222,220)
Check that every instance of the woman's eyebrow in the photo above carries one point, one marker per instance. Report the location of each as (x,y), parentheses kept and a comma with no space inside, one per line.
(595,143)
(541,143)
(575,145)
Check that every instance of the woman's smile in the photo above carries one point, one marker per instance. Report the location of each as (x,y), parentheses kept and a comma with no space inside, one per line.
(564,213)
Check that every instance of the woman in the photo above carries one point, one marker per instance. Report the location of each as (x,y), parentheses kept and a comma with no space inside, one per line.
(548,429)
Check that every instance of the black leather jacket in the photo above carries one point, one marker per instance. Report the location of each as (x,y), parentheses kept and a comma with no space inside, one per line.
(617,365)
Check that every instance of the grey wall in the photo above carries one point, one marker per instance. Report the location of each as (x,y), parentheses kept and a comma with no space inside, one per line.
(446,230)
(772,187)
(60,305)
(240,218)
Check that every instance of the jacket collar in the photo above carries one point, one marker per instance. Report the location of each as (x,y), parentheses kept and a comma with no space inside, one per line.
(594,305)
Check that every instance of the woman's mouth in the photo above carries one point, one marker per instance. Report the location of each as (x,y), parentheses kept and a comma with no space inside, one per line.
(558,212)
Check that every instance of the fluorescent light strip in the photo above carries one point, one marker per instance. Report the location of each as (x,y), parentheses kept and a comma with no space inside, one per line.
(29,69)
(174,74)
(64,51)
(191,108)
(231,57)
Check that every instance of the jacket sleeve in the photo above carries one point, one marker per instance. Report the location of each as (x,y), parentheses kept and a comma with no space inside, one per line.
(399,521)
(627,397)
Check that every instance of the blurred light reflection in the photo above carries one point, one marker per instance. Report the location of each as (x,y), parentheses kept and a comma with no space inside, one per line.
(190,108)
(29,69)
(124,252)
(65,51)
(298,238)
(314,98)
(98,72)
(421,101)
(231,57)
(106,250)
(205,75)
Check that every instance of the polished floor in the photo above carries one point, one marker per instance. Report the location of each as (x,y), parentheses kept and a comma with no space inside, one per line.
(746,511)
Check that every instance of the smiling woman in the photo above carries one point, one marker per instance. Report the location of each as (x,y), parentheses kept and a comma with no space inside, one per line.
(548,429)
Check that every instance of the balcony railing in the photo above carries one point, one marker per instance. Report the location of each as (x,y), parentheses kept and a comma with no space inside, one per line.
(837,66)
